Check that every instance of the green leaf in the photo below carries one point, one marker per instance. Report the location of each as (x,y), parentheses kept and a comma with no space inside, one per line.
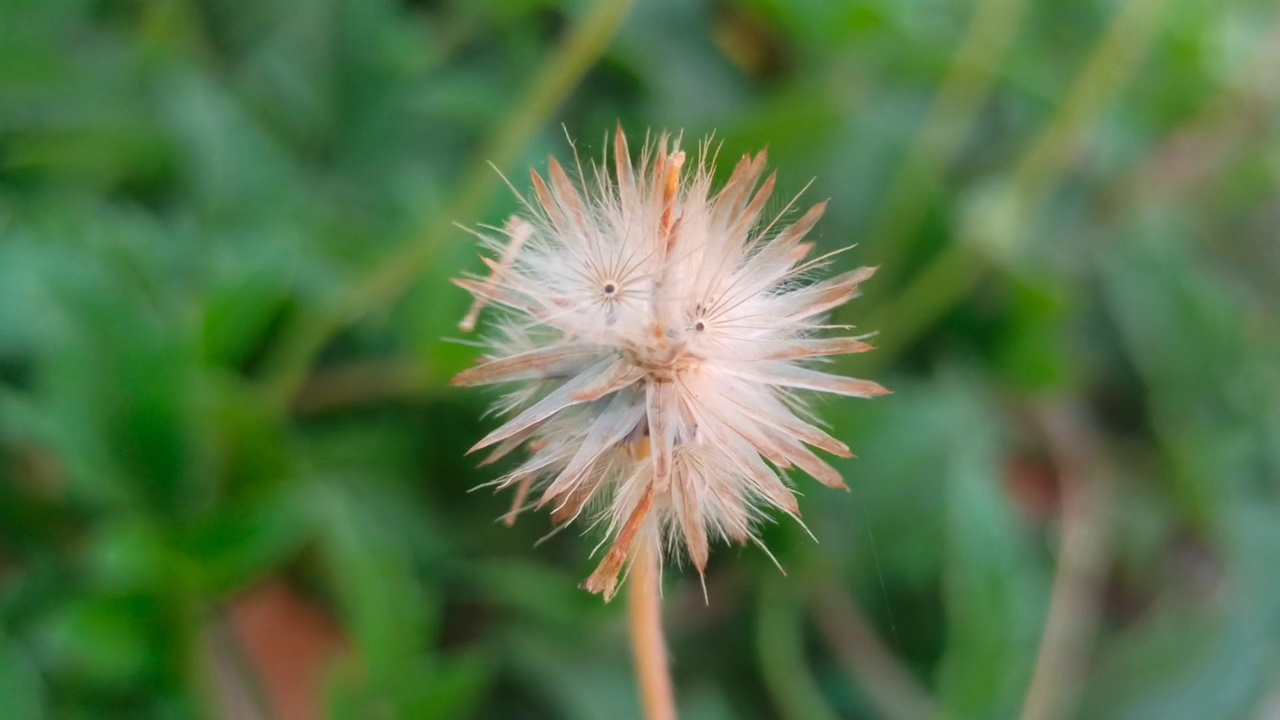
(1202,657)
(20,684)
(105,642)
(996,594)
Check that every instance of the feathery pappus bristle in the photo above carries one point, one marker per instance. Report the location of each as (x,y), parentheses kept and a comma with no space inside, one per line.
(657,336)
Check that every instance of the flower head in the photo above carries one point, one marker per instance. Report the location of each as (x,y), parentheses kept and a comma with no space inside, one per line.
(657,337)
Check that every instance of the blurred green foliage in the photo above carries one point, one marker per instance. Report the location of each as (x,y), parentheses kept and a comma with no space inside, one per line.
(225,243)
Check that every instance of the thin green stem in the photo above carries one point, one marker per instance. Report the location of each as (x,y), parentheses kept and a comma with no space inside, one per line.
(287,370)
(964,89)
(187,616)
(852,638)
(1237,112)
(950,276)
(942,285)
(1109,68)
(780,645)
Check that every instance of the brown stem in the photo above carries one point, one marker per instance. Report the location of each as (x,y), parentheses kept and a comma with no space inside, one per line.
(363,382)
(239,688)
(1074,607)
(648,645)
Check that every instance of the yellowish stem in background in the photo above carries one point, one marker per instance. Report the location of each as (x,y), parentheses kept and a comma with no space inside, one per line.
(1066,648)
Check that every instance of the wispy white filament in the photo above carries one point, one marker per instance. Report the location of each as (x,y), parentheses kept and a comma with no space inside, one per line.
(656,338)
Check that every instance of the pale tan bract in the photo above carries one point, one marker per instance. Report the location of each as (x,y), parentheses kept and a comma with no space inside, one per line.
(656,336)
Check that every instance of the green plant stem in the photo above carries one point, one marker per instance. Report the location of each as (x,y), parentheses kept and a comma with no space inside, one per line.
(964,89)
(889,685)
(287,370)
(942,285)
(362,381)
(192,656)
(1109,68)
(958,268)
(780,646)
(1240,109)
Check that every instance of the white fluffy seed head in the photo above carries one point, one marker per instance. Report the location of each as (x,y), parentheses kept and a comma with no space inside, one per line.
(655,335)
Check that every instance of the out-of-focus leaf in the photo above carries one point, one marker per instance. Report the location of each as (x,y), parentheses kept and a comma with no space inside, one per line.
(996,592)
(1189,661)
(1203,369)
(239,311)
(896,481)
(391,616)
(105,642)
(1033,352)
(247,538)
(129,555)
(233,168)
(574,682)
(543,597)
(20,684)
(118,392)
(455,686)
(262,515)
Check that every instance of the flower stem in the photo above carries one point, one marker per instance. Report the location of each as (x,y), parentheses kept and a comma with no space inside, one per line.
(648,645)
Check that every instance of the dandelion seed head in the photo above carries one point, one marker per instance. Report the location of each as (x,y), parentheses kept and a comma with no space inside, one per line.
(656,337)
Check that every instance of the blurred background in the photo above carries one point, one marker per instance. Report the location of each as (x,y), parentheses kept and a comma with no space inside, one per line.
(232,481)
